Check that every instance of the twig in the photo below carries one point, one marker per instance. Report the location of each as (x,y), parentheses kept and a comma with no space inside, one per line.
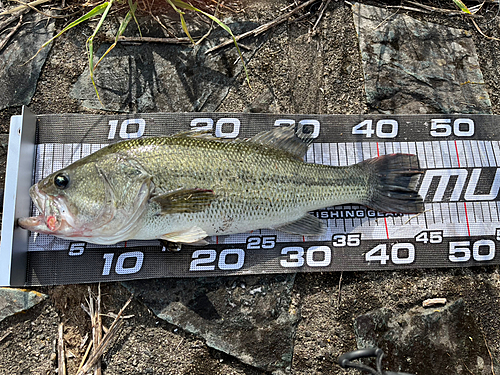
(5,336)
(23,7)
(115,327)
(61,357)
(262,28)
(324,5)
(409,8)
(95,318)
(488,349)
(146,39)
(340,288)
(440,10)
(9,20)
(4,42)
(210,29)
(85,355)
(481,32)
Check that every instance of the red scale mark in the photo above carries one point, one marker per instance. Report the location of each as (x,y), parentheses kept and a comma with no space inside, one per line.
(385,219)
(465,203)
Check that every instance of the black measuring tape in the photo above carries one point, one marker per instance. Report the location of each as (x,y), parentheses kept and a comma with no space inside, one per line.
(460,156)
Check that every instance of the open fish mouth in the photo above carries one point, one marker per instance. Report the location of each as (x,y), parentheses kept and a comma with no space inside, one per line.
(53,218)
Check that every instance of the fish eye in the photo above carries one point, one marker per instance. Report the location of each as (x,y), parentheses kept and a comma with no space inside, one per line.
(61,180)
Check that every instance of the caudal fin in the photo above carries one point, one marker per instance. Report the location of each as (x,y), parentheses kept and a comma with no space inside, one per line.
(393,181)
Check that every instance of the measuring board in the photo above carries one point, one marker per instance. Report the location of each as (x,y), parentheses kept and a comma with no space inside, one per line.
(459,154)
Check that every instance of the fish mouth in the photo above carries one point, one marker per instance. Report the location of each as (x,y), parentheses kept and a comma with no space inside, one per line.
(54,216)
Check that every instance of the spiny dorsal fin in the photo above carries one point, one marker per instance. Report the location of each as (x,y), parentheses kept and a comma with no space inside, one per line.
(284,138)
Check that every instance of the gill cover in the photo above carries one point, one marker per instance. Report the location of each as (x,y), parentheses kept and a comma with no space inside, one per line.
(127,188)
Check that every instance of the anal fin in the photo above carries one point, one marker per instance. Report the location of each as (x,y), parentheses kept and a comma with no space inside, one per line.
(308,225)
(193,236)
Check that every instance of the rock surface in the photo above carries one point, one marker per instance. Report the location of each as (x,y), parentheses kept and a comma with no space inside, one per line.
(444,340)
(412,64)
(163,77)
(19,69)
(252,318)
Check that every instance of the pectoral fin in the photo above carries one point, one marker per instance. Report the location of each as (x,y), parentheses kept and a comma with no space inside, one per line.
(184,201)
(193,236)
(308,225)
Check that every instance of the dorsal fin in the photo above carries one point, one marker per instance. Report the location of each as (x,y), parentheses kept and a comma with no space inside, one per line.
(195,133)
(285,138)
(281,137)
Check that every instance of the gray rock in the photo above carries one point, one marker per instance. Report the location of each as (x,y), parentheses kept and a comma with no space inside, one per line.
(251,318)
(18,74)
(419,64)
(430,341)
(13,301)
(162,77)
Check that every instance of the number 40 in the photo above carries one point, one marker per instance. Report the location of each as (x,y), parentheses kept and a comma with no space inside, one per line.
(401,253)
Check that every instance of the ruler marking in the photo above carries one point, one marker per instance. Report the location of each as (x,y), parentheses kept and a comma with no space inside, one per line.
(429,154)
(334,154)
(325,148)
(467,219)
(449,219)
(385,220)
(465,203)
(476,156)
(490,154)
(487,209)
(423,162)
(350,153)
(469,154)
(496,151)
(396,147)
(484,153)
(493,208)
(436,146)
(342,154)
(497,209)
(458,156)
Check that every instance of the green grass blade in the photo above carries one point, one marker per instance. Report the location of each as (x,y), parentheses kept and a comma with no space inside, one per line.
(183,21)
(94,12)
(181,4)
(120,32)
(90,46)
(133,8)
(462,6)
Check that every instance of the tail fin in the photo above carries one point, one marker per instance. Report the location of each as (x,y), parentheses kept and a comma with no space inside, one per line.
(393,180)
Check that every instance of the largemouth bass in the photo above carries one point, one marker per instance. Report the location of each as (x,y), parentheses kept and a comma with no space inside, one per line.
(186,187)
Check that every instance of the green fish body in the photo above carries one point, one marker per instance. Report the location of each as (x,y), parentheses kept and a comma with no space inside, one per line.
(186,187)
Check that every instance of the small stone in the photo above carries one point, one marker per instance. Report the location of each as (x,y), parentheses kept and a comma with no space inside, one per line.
(433,302)
(14,300)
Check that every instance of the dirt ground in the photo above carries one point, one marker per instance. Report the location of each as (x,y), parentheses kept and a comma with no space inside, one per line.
(282,83)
